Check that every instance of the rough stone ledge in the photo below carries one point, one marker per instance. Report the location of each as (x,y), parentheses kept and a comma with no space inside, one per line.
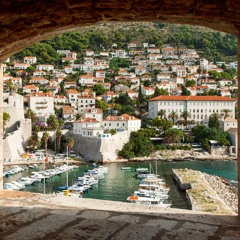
(36,216)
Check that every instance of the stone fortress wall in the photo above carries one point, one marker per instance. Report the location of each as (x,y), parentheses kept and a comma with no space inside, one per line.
(100,149)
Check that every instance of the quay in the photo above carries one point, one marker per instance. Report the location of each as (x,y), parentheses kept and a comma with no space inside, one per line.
(199,192)
(29,216)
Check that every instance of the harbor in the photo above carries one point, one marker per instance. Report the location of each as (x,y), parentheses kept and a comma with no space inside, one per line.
(119,184)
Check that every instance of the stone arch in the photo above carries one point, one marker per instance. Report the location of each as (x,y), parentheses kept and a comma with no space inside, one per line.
(23,23)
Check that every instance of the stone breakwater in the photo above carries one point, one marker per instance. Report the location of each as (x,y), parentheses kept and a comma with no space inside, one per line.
(201,193)
(224,189)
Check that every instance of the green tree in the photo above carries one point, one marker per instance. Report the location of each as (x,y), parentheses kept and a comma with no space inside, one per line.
(162,113)
(185,115)
(138,145)
(185,92)
(45,138)
(101,104)
(174,136)
(213,121)
(58,138)
(190,83)
(30,114)
(52,122)
(140,99)
(34,142)
(6,118)
(160,92)
(99,89)
(173,115)
(69,143)
(226,113)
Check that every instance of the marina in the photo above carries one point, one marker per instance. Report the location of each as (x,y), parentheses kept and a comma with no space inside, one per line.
(118,185)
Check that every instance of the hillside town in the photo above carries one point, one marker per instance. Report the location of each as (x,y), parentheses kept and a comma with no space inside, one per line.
(102,97)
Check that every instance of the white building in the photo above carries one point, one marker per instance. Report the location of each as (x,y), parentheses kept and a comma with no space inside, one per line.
(72,95)
(36,80)
(228,123)
(45,67)
(199,107)
(89,52)
(85,101)
(30,89)
(86,79)
(119,53)
(147,91)
(96,113)
(30,59)
(67,112)
(42,104)
(100,74)
(122,123)
(88,127)
(21,65)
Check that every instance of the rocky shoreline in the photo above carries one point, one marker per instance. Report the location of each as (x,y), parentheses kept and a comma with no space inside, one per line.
(181,155)
(225,190)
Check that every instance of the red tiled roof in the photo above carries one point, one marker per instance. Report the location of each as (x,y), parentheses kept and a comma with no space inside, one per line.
(124,117)
(192,98)
(92,120)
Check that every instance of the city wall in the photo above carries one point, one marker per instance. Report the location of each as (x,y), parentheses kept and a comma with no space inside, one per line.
(99,149)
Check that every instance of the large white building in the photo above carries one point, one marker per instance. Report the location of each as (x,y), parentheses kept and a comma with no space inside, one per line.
(42,104)
(199,107)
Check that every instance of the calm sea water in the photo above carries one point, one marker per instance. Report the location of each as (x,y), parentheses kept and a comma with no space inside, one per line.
(120,184)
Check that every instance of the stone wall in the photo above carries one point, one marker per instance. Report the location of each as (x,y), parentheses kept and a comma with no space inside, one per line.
(13,105)
(100,150)
(13,145)
(219,150)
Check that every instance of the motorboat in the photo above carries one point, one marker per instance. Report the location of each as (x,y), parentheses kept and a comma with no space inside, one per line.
(142,170)
(26,181)
(148,201)
(150,193)
(125,168)
(10,186)
(19,184)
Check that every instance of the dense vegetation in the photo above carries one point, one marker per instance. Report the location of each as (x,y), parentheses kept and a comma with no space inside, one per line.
(213,45)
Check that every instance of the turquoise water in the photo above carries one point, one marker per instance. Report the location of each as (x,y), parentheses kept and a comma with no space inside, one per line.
(119,184)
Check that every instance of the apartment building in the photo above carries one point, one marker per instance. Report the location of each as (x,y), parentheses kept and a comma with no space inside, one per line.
(42,104)
(85,101)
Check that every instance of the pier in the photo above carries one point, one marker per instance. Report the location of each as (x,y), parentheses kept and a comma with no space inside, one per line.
(199,192)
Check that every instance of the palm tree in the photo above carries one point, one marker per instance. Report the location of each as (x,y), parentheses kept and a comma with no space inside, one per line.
(225,113)
(185,115)
(36,129)
(33,141)
(30,114)
(45,138)
(58,136)
(52,122)
(173,115)
(69,143)
(162,113)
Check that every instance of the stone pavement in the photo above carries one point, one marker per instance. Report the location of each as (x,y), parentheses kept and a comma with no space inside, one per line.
(36,216)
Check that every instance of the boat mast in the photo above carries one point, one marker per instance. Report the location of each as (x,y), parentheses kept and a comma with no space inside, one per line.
(156,167)
(67,169)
